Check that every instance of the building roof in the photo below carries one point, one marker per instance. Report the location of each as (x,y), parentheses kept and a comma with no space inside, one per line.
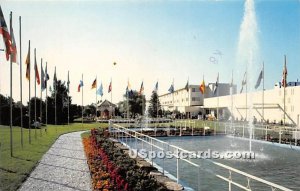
(106,103)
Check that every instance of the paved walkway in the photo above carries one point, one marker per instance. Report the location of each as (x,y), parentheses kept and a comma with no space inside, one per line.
(63,167)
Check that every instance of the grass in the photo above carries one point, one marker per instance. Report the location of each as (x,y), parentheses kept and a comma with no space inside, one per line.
(14,170)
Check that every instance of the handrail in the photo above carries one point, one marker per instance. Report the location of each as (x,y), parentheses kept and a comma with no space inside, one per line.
(230,169)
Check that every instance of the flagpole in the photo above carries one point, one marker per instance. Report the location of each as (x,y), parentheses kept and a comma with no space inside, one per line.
(96,98)
(46,100)
(41,101)
(127,100)
(218,103)
(11,135)
(231,99)
(204,97)
(246,116)
(21,82)
(189,113)
(35,68)
(82,101)
(157,100)
(29,98)
(112,113)
(55,95)
(285,83)
(263,95)
(68,100)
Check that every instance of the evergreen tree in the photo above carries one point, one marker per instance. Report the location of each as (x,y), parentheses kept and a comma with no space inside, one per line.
(154,105)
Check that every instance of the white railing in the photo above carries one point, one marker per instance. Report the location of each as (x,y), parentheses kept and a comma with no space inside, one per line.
(264,131)
(123,134)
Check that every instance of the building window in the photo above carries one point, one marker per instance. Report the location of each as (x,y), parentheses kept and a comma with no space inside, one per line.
(193,99)
(193,89)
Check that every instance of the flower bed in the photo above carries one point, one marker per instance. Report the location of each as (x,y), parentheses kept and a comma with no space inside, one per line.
(111,169)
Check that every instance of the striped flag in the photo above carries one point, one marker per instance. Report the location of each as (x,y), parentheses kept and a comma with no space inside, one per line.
(141,89)
(27,62)
(80,85)
(37,75)
(43,84)
(110,87)
(13,47)
(6,36)
(94,84)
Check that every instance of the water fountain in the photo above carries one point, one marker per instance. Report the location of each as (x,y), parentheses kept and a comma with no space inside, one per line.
(248,54)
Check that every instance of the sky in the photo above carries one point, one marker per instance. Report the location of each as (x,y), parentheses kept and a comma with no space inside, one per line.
(150,41)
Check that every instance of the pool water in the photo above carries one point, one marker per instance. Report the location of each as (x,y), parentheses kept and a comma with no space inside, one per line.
(272,163)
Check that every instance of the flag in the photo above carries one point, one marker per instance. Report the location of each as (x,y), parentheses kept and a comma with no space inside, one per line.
(284,74)
(110,87)
(129,91)
(68,83)
(100,90)
(202,87)
(216,85)
(94,84)
(141,89)
(54,80)
(244,82)
(37,75)
(27,62)
(6,36)
(155,88)
(43,84)
(187,86)
(171,89)
(260,77)
(13,47)
(80,85)
(46,76)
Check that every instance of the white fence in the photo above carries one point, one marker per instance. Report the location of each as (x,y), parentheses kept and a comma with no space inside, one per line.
(137,139)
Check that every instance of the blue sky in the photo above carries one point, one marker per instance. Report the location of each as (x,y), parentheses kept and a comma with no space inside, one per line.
(150,41)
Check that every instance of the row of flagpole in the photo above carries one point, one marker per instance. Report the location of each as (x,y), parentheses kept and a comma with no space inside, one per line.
(11,52)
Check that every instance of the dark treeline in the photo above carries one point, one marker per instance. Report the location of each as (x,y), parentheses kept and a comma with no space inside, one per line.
(61,108)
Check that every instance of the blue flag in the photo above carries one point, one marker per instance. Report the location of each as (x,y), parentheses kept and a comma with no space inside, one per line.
(100,90)
(260,77)
(171,89)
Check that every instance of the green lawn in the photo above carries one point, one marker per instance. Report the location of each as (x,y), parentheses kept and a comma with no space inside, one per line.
(14,170)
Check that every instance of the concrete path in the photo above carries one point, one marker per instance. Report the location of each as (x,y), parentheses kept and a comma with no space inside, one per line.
(63,167)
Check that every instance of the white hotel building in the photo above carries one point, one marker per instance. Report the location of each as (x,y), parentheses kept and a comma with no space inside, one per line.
(193,103)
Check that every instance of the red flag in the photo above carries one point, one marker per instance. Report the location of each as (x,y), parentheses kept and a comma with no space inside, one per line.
(5,33)
(37,75)
(109,87)
(79,88)
(13,47)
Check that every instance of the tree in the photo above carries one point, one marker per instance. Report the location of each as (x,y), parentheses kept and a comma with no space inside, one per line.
(61,104)
(136,103)
(154,105)
(89,110)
